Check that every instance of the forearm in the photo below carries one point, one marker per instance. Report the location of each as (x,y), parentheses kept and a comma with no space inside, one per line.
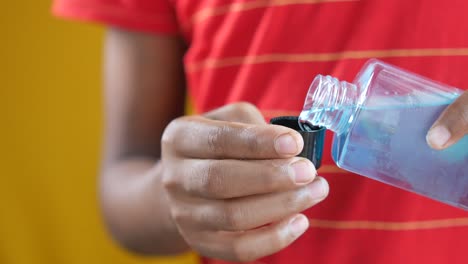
(135,207)
(144,91)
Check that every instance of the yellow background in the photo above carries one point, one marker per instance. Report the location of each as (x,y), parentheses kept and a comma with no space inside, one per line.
(50,132)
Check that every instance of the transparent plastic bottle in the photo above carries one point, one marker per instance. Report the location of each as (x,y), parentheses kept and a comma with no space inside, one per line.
(380,122)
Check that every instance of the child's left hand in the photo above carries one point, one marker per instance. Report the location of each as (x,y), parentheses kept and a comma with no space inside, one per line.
(451,126)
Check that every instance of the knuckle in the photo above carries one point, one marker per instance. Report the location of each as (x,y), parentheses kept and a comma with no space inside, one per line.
(217,140)
(245,110)
(232,217)
(249,136)
(178,215)
(231,220)
(246,107)
(168,181)
(269,182)
(272,176)
(171,179)
(209,216)
(168,134)
(171,132)
(211,182)
(284,172)
(294,201)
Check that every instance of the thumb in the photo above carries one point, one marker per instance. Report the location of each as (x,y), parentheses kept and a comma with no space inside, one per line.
(451,126)
(238,112)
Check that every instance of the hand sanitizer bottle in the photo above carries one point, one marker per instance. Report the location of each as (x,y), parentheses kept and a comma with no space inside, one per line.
(380,122)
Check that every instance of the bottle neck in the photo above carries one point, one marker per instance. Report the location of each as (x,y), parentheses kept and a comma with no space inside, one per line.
(331,103)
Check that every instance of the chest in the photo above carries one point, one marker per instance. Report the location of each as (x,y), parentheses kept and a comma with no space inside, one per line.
(321,25)
(246,45)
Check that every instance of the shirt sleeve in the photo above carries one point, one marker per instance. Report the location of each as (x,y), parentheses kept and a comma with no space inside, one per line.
(155,16)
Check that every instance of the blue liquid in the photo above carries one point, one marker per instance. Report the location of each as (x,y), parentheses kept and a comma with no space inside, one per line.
(389,145)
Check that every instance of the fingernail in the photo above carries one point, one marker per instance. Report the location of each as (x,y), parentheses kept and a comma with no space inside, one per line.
(438,136)
(303,172)
(298,225)
(318,189)
(286,144)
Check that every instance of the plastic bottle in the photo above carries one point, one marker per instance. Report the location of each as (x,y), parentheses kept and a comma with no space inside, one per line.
(380,122)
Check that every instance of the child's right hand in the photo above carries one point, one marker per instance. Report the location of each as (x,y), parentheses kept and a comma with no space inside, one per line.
(234,186)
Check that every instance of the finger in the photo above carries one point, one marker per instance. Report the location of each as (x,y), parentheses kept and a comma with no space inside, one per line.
(238,112)
(255,244)
(198,137)
(254,211)
(221,179)
(451,126)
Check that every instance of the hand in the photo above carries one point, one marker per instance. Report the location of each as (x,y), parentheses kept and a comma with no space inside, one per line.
(234,185)
(451,126)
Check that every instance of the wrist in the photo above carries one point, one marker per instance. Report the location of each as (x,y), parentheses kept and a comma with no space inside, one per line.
(135,207)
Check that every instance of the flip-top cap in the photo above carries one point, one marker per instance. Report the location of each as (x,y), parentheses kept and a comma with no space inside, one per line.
(314,137)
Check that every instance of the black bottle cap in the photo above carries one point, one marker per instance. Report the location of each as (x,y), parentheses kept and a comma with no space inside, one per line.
(314,137)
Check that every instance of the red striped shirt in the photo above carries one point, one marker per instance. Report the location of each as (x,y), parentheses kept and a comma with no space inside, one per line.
(267,53)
